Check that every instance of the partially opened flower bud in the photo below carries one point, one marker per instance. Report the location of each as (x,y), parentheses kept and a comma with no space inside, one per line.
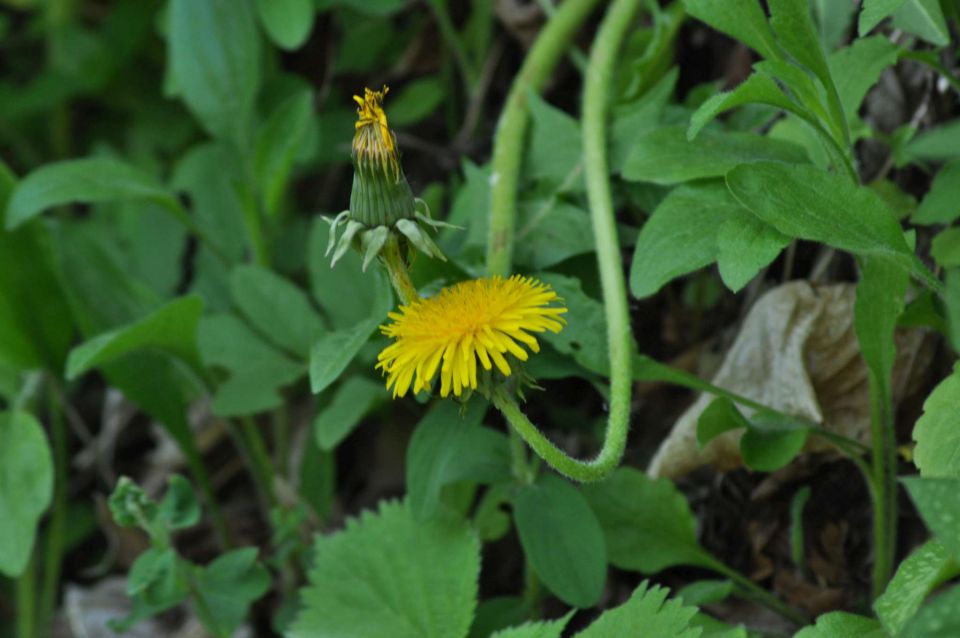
(381,202)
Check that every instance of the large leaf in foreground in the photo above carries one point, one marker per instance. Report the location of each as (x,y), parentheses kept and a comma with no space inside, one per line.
(937,432)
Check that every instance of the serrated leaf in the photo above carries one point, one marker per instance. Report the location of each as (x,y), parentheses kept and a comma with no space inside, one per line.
(680,236)
(447,447)
(26,487)
(89,180)
(937,453)
(938,501)
(808,203)
(746,245)
(647,523)
(546,629)
(840,624)
(214,54)
(171,329)
(646,613)
(386,575)
(743,20)
(287,22)
(919,574)
(665,155)
(353,399)
(277,308)
(562,540)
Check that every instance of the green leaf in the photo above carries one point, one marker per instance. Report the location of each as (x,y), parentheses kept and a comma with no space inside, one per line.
(157,579)
(680,236)
(332,353)
(647,523)
(562,540)
(89,180)
(636,117)
(496,613)
(833,21)
(171,329)
(742,20)
(256,370)
(840,624)
(874,11)
(277,308)
(808,203)
(26,487)
(646,613)
(923,18)
(857,67)
(718,417)
(665,156)
(756,89)
(938,144)
(351,401)
(746,245)
(386,575)
(417,100)
(546,629)
(225,588)
(937,453)
(214,54)
(551,230)
(585,336)
(938,500)
(766,449)
(287,22)
(278,142)
(793,24)
(704,592)
(939,618)
(941,205)
(925,569)
(447,447)
(179,508)
(946,248)
(554,151)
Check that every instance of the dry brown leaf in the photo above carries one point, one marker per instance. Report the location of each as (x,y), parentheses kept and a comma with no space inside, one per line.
(796,352)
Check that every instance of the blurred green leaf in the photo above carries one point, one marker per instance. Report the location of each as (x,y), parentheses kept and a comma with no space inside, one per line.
(278,142)
(940,618)
(544,629)
(279,310)
(171,329)
(768,450)
(87,181)
(373,7)
(874,11)
(585,336)
(857,67)
(743,20)
(562,540)
(550,231)
(940,143)
(179,508)
(941,205)
(945,249)
(925,569)
(646,613)
(26,487)
(496,613)
(225,588)
(923,18)
(938,501)
(636,117)
(937,453)
(287,22)
(351,401)
(647,523)
(840,624)
(214,53)
(719,417)
(332,353)
(387,575)
(833,21)
(554,151)
(416,100)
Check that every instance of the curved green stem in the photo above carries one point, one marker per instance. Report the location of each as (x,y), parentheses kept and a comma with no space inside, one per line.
(550,46)
(595,102)
(399,275)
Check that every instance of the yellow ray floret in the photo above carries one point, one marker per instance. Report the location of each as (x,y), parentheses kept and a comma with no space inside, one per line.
(483,320)
(373,138)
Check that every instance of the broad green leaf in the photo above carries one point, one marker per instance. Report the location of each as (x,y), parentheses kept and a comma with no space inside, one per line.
(332,353)
(562,540)
(550,231)
(387,575)
(278,141)
(756,89)
(447,447)
(89,180)
(225,588)
(923,18)
(351,401)
(937,432)
(874,11)
(857,67)
(719,417)
(925,569)
(680,236)
(833,21)
(554,150)
(287,22)
(157,581)
(940,618)
(585,336)
(808,203)
(416,101)
(171,329)
(946,248)
(545,629)
(941,205)
(647,523)
(633,118)
(937,144)
(743,20)
(179,508)
(792,22)
(771,442)
(704,592)
(665,156)
(840,624)
(26,487)
(938,501)
(214,54)
(746,245)
(256,370)
(646,613)
(279,310)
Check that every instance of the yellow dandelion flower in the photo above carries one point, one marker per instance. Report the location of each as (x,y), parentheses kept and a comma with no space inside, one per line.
(373,140)
(481,319)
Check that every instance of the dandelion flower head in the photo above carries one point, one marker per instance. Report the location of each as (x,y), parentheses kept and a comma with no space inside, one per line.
(482,319)
(373,140)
